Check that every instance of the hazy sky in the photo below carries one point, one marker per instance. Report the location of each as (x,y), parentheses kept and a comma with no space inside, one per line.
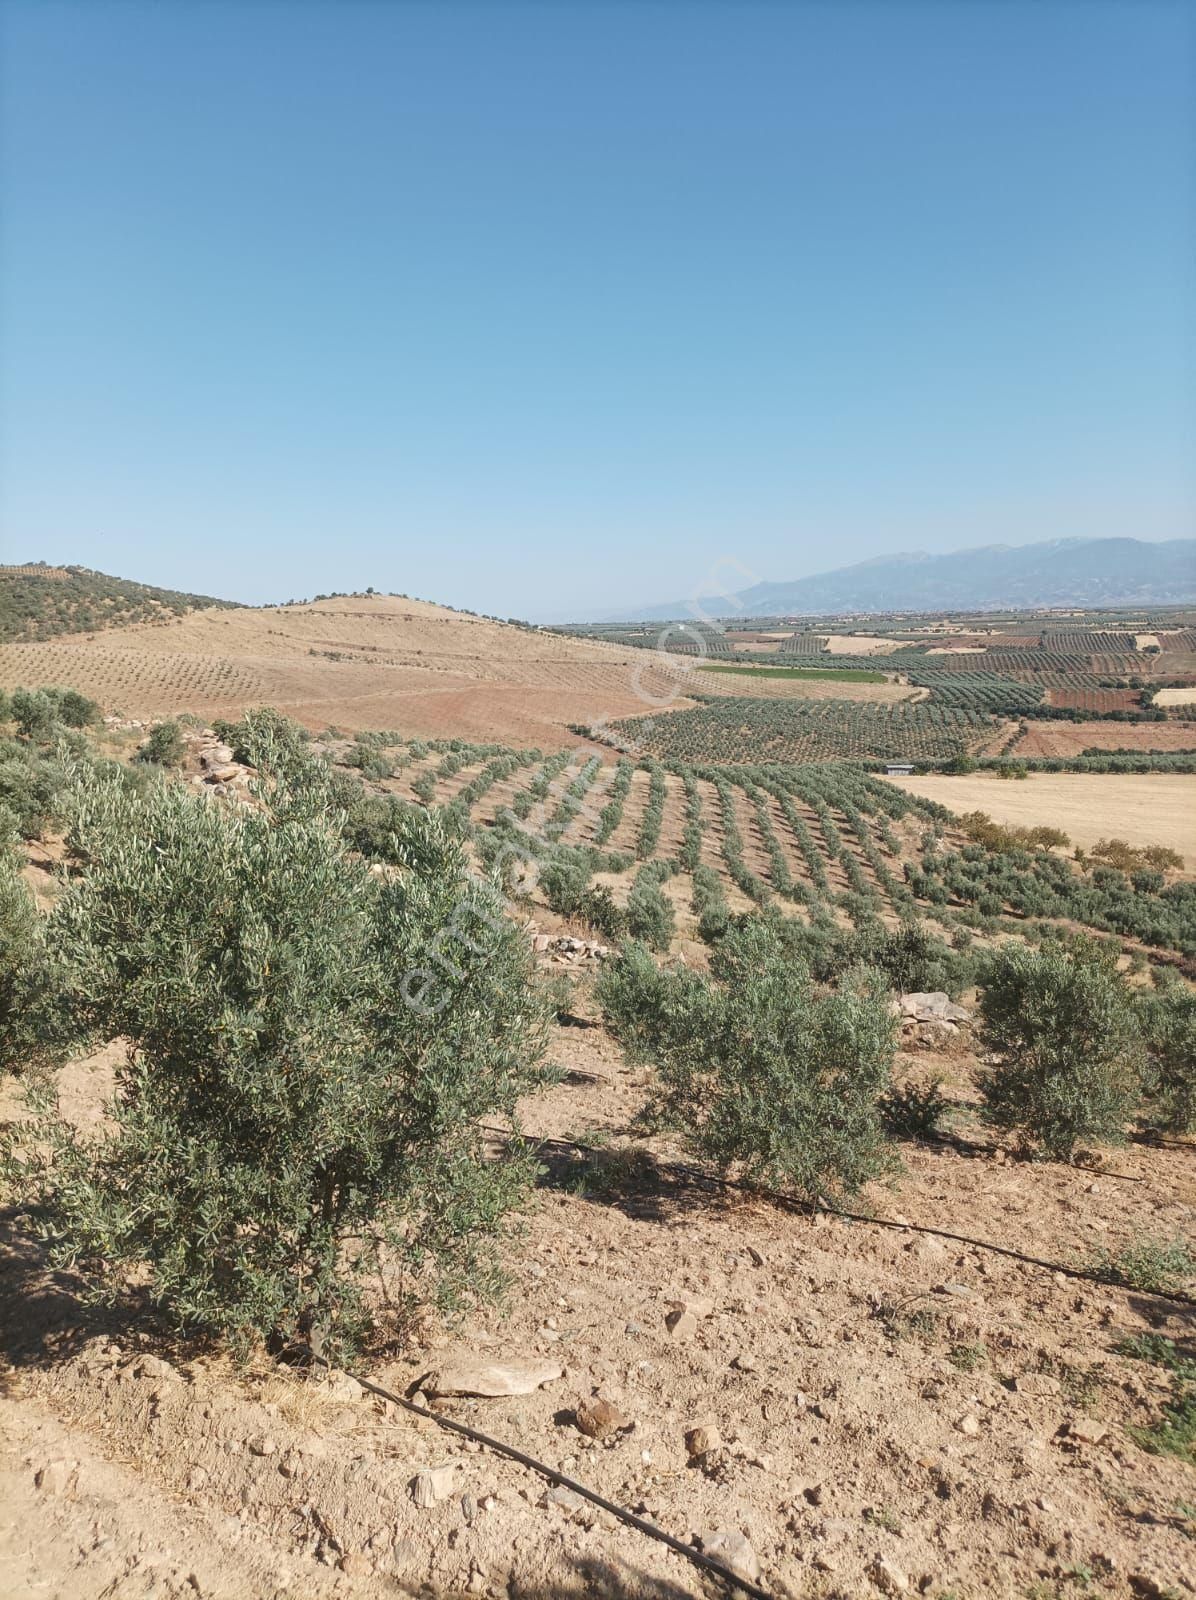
(541,308)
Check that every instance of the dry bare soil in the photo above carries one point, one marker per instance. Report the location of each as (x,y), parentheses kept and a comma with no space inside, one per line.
(882,1394)
(1141,808)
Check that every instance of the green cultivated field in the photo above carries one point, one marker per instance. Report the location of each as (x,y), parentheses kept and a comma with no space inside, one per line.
(850,675)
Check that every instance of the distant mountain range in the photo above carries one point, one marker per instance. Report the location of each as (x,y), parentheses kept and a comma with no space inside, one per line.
(997,577)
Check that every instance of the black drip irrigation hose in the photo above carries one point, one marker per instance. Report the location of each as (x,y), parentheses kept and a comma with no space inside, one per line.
(808,1208)
(699,1559)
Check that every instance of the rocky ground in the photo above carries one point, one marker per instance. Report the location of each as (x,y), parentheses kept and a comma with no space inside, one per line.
(835,1408)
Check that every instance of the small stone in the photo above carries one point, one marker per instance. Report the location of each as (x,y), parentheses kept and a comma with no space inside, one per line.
(968,1425)
(681,1324)
(633,1329)
(197,1478)
(701,1438)
(1036,1383)
(731,1550)
(599,1419)
(432,1485)
(888,1578)
(960,1290)
(290,1465)
(926,1248)
(263,1445)
(814,1493)
(743,1362)
(155,1367)
(56,1476)
(356,1564)
(339,1385)
(1087,1430)
(695,1304)
(566,1500)
(754,1256)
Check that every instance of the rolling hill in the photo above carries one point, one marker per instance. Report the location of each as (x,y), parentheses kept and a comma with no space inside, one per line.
(357,661)
(38,601)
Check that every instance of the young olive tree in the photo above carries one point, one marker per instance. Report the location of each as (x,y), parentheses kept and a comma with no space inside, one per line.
(1168,1019)
(310,1048)
(759,1069)
(1059,1026)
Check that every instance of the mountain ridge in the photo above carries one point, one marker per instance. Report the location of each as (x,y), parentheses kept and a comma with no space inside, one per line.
(995,577)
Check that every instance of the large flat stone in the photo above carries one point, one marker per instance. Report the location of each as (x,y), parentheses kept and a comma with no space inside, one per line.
(490,1380)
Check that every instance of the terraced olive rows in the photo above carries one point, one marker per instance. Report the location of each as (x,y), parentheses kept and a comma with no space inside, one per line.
(677,848)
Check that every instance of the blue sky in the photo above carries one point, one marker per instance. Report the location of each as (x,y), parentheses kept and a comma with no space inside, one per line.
(540,309)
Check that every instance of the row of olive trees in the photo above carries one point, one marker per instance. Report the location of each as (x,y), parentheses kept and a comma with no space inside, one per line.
(310,1049)
(762,1068)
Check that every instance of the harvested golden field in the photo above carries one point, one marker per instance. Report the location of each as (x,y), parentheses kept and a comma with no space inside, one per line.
(1176,697)
(713,680)
(1141,808)
(1073,738)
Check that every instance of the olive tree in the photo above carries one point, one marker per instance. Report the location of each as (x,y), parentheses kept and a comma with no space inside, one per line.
(310,1046)
(759,1069)
(1065,1053)
(1168,1019)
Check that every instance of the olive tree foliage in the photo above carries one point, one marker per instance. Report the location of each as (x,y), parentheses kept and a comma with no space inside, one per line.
(21,929)
(759,1069)
(1168,1019)
(310,1047)
(165,746)
(1059,1027)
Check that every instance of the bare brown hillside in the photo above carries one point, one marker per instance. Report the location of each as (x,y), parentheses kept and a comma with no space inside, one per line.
(361,662)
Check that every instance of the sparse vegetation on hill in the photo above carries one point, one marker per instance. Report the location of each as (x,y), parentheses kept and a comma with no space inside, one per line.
(38,602)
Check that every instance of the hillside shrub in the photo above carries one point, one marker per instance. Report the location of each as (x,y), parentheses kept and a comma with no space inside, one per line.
(650,916)
(310,1049)
(1168,1020)
(20,960)
(757,1069)
(164,747)
(1060,1027)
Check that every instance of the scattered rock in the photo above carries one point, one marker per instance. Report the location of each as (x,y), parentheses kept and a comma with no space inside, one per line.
(599,1419)
(566,1500)
(968,1425)
(56,1476)
(888,1578)
(933,1007)
(681,1324)
(1087,1430)
(357,1564)
(926,1248)
(262,1446)
(1037,1383)
(155,1367)
(695,1304)
(490,1380)
(339,1385)
(731,1550)
(432,1485)
(702,1437)
(960,1290)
